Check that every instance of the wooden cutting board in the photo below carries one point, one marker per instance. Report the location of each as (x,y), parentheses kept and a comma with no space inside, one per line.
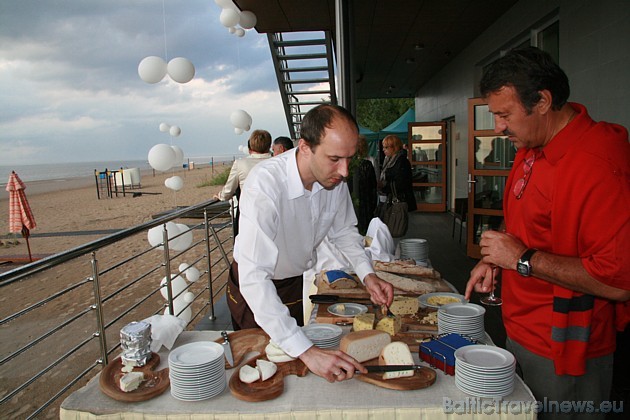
(245,341)
(422,378)
(269,389)
(154,383)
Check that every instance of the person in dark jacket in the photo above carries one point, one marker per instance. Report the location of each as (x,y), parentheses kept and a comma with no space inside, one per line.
(396,173)
(362,185)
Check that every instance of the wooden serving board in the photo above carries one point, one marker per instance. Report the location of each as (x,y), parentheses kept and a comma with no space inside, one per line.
(422,378)
(269,389)
(245,341)
(154,382)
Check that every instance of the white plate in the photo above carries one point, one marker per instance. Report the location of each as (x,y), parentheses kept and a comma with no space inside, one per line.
(487,357)
(322,332)
(196,354)
(424,299)
(348,309)
(462,310)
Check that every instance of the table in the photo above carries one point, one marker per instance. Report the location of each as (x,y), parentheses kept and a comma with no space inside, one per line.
(304,398)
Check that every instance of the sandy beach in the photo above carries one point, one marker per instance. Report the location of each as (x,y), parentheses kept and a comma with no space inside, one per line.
(63,208)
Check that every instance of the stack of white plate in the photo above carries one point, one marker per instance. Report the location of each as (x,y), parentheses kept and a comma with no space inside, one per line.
(323,335)
(484,371)
(416,249)
(197,371)
(462,318)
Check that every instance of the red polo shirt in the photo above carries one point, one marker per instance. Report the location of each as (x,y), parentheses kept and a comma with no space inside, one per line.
(576,203)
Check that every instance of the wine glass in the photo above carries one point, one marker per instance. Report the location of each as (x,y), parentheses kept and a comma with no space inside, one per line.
(491,299)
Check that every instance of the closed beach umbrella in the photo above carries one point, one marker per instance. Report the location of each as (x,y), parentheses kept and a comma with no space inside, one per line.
(20,215)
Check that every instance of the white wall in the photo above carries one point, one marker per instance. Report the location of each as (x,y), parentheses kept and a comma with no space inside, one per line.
(594,52)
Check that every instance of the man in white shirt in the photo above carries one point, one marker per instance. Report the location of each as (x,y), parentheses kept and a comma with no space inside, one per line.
(258,146)
(289,204)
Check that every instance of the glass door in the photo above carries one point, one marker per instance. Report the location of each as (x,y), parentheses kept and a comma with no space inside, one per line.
(427,147)
(490,158)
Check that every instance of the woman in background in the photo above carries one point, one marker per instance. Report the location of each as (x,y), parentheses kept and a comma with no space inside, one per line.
(396,173)
(362,186)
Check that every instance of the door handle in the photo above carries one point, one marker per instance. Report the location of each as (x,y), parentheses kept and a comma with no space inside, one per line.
(470,182)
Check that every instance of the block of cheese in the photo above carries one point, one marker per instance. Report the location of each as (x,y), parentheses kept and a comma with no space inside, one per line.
(276,354)
(404,305)
(364,345)
(390,325)
(131,381)
(266,369)
(396,353)
(363,322)
(338,279)
(248,374)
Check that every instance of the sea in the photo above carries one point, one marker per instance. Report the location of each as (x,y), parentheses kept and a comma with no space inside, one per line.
(58,171)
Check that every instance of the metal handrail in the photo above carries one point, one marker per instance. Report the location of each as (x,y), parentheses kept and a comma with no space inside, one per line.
(75,323)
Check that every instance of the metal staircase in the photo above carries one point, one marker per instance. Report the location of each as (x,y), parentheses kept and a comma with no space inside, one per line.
(305,72)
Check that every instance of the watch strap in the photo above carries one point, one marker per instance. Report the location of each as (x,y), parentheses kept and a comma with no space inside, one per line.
(527,255)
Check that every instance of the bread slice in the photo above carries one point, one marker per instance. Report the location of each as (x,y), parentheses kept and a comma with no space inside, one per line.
(406,284)
(364,345)
(396,353)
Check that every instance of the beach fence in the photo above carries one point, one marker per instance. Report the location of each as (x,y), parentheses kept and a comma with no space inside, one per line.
(110,183)
(71,306)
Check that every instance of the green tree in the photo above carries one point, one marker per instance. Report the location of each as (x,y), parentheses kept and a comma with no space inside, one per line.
(377,114)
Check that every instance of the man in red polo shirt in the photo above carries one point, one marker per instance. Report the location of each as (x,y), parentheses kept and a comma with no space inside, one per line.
(565,253)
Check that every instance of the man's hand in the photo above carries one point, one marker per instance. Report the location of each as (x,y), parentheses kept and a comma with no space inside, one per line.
(501,249)
(481,279)
(332,365)
(381,292)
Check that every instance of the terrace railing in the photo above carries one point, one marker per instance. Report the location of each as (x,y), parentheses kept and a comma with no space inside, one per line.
(74,304)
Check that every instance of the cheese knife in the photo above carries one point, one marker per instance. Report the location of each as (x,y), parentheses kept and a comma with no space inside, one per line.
(336,298)
(227,348)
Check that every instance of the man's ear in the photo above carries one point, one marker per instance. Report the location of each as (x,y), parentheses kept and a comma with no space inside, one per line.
(304,147)
(544,104)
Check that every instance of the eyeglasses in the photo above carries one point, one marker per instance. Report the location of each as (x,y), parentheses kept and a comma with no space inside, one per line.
(520,185)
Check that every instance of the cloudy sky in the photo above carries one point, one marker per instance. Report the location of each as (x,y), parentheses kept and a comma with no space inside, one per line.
(70,90)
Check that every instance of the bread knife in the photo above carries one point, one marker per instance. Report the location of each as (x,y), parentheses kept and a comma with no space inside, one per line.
(336,298)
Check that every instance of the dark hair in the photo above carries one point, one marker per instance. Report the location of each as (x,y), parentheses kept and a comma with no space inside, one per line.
(529,70)
(259,141)
(319,118)
(284,141)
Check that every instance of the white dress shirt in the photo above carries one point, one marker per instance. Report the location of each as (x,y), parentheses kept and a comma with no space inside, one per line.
(238,174)
(281,226)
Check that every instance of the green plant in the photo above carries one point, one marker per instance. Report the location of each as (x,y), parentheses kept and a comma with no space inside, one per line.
(218,179)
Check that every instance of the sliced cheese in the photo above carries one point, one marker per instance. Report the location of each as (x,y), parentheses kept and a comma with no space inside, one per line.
(396,353)
(363,322)
(364,345)
(404,305)
(248,374)
(267,369)
(390,325)
(130,381)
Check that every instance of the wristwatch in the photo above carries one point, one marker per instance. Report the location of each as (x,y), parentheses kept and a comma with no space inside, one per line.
(523,266)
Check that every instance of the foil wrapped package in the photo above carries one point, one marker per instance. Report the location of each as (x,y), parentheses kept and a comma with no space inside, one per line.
(135,340)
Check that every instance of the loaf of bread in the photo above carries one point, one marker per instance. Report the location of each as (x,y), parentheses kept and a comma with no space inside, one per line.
(406,284)
(396,353)
(390,325)
(338,279)
(363,322)
(404,305)
(364,345)
(406,267)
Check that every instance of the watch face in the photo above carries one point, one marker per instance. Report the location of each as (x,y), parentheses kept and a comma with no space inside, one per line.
(523,269)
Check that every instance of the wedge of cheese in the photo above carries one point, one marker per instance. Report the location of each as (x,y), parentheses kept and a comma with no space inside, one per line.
(390,325)
(396,353)
(248,374)
(404,305)
(364,345)
(338,279)
(363,322)
(131,381)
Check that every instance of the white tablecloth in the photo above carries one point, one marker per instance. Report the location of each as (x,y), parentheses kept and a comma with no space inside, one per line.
(303,398)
